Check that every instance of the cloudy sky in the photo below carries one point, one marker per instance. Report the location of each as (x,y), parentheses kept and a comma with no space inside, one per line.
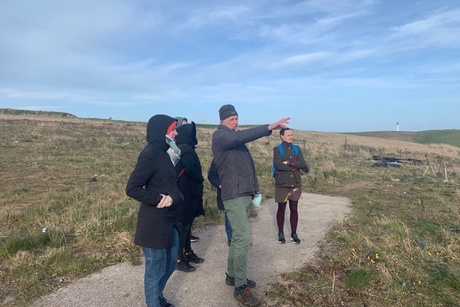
(330,65)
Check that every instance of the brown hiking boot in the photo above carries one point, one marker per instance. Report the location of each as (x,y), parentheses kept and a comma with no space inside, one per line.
(246,298)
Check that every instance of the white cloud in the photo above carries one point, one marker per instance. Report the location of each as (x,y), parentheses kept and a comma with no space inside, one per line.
(15,93)
(304,59)
(117,53)
(439,29)
(216,15)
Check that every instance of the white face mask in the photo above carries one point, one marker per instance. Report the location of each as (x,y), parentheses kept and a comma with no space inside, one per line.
(172,144)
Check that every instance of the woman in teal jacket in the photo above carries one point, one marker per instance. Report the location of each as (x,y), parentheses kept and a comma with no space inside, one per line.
(290,165)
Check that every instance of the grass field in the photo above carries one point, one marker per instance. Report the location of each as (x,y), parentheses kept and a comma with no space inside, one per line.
(450,137)
(64,212)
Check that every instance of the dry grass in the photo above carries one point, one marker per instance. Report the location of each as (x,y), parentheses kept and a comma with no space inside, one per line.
(399,247)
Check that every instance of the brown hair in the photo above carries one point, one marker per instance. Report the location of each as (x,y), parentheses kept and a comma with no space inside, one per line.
(282,131)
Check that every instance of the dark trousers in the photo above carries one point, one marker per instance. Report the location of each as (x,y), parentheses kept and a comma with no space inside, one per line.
(185,246)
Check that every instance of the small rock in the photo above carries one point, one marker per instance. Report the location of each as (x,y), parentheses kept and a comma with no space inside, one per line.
(9,299)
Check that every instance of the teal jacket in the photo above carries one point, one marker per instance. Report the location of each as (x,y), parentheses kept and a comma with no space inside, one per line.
(289,175)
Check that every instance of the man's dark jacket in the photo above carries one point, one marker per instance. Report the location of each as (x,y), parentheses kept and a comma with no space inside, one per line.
(214,179)
(154,174)
(234,162)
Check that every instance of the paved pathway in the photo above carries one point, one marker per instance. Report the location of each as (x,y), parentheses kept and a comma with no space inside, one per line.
(122,284)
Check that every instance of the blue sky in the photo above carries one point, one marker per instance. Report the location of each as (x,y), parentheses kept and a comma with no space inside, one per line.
(330,65)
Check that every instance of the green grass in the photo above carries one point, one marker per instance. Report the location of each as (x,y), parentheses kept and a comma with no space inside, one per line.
(7,111)
(450,137)
(400,246)
(358,279)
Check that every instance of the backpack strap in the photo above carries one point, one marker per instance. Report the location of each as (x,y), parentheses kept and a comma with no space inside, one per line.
(296,149)
(182,171)
(281,149)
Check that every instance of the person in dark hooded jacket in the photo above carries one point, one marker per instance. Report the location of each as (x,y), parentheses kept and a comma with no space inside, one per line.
(190,182)
(153,184)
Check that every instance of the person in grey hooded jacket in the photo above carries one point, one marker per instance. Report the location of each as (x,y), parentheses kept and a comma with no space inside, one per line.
(237,174)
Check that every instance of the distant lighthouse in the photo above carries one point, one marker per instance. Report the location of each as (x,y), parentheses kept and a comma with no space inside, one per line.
(397,126)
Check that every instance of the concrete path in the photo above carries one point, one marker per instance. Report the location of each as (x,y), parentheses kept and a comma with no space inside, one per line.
(122,284)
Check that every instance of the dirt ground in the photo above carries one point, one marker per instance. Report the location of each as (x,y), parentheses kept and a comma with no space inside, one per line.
(122,284)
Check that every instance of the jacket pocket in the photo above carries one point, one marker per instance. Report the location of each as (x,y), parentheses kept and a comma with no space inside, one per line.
(284,178)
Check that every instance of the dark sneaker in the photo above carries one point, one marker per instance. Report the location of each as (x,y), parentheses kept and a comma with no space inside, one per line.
(184,266)
(230,281)
(294,238)
(193,258)
(281,239)
(246,298)
(164,302)
(193,238)
(229,242)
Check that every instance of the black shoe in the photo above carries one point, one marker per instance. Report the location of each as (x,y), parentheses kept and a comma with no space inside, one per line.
(294,238)
(281,239)
(184,266)
(164,302)
(229,242)
(193,258)
(246,297)
(193,238)
(230,281)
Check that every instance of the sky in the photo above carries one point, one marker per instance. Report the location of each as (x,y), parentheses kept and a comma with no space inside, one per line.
(330,65)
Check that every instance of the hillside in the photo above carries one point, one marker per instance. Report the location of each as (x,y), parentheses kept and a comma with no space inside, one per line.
(449,137)
(7,111)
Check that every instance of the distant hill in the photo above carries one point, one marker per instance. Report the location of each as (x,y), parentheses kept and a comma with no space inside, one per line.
(450,137)
(7,111)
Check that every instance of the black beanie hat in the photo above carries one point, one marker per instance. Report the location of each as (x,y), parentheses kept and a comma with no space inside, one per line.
(226,111)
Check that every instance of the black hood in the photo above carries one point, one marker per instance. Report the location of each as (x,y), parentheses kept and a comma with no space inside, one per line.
(187,135)
(156,129)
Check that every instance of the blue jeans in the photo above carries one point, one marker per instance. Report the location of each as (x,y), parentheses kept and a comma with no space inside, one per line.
(228,228)
(159,265)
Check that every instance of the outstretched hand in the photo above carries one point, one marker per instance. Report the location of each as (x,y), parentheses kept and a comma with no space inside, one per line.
(279,124)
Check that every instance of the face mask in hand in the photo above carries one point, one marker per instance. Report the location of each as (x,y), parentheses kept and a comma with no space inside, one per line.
(256,200)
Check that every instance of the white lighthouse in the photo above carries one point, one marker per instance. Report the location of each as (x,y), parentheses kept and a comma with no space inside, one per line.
(397,126)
